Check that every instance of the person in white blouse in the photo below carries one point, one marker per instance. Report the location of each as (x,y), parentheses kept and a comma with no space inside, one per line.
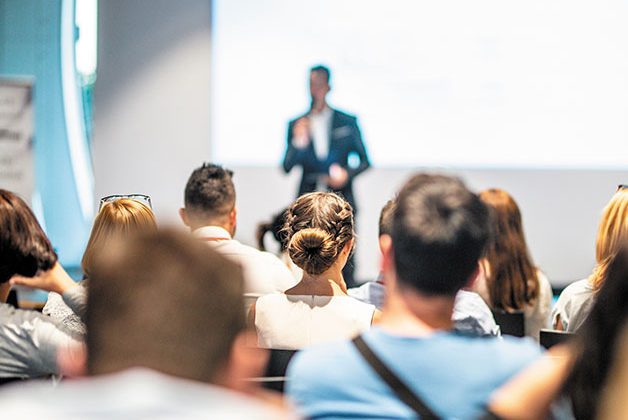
(510,282)
(319,230)
(576,301)
(210,213)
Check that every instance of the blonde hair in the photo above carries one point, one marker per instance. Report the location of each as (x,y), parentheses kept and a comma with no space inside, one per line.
(120,217)
(611,235)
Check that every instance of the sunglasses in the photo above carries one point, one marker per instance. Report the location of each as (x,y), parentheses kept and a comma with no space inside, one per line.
(144,199)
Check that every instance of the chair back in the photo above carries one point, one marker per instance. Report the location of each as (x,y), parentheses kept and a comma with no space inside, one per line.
(549,338)
(12,299)
(275,376)
(510,323)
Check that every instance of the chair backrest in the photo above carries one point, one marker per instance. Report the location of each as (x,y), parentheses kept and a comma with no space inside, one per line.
(275,376)
(510,323)
(549,338)
(12,299)
(278,362)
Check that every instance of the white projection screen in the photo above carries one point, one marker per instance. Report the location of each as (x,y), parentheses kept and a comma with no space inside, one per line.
(452,83)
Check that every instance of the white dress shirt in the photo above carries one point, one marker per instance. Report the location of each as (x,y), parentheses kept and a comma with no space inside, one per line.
(320,129)
(263,272)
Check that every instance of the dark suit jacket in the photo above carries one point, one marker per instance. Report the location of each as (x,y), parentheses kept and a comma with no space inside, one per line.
(345,140)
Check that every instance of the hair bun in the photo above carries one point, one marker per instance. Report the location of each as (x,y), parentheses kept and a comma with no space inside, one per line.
(313,250)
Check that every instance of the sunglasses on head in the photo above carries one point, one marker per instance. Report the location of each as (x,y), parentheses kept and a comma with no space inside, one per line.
(142,198)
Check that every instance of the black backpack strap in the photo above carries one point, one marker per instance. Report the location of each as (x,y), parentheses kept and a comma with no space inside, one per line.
(399,388)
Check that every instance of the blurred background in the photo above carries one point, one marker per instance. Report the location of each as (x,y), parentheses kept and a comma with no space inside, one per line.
(129,96)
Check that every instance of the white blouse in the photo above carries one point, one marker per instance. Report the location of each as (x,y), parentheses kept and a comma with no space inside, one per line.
(292,322)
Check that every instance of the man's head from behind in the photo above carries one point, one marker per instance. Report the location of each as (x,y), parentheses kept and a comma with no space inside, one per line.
(166,302)
(439,231)
(210,198)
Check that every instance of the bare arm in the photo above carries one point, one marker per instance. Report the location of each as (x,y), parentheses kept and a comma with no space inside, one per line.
(529,394)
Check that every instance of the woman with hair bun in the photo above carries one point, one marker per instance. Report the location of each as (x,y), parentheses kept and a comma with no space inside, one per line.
(319,234)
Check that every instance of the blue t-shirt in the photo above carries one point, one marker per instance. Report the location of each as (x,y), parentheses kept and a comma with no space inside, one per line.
(453,374)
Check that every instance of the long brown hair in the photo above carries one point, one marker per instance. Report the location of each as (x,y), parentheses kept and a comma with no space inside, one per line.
(512,280)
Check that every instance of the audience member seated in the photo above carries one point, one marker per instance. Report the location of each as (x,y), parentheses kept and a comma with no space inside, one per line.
(210,212)
(575,302)
(440,230)
(583,372)
(275,226)
(319,230)
(117,218)
(30,341)
(509,281)
(166,334)
(597,339)
(470,316)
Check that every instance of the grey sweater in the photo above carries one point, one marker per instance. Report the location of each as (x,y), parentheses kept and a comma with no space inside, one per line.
(30,341)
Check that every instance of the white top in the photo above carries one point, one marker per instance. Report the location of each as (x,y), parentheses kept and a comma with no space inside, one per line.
(132,394)
(320,127)
(574,305)
(263,272)
(57,309)
(537,315)
(370,292)
(472,316)
(292,322)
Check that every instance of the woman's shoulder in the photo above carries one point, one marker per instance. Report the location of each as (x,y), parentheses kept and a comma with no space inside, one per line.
(577,288)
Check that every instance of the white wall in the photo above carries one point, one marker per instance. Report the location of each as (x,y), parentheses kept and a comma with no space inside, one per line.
(151,99)
(152,128)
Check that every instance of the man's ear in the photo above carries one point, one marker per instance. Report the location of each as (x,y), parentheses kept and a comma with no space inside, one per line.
(388,258)
(233,220)
(384,241)
(246,360)
(184,217)
(233,216)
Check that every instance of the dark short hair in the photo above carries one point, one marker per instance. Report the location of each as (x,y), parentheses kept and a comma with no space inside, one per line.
(24,247)
(322,69)
(209,191)
(440,229)
(386,217)
(274,226)
(163,301)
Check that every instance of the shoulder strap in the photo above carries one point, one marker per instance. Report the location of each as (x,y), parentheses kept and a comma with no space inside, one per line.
(399,388)
(405,394)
